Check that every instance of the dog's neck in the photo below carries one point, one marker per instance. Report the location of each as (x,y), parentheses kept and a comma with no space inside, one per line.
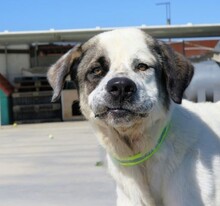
(139,138)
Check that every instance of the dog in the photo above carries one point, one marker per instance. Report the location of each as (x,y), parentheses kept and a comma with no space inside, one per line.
(161,150)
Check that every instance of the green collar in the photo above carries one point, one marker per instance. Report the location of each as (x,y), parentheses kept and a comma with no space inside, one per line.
(139,158)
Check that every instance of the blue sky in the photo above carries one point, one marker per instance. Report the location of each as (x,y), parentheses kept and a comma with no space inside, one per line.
(25,15)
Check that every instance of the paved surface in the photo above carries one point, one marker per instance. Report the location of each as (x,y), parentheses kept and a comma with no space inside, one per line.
(52,165)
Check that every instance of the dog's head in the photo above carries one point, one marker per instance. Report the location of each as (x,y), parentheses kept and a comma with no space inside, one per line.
(122,75)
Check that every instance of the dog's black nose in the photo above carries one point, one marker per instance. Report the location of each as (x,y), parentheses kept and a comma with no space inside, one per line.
(121,87)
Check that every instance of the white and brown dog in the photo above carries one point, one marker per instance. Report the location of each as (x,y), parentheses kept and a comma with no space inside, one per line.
(131,86)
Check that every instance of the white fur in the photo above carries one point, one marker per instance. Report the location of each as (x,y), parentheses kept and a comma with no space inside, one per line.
(186,169)
(133,40)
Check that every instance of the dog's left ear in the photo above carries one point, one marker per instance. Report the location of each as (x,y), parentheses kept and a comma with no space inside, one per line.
(59,71)
(178,72)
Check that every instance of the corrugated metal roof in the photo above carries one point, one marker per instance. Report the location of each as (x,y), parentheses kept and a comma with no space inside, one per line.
(81,35)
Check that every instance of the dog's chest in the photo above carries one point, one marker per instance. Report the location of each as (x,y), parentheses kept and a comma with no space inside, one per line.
(155,180)
(139,183)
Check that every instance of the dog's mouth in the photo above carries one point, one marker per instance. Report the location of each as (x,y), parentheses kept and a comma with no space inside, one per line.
(119,113)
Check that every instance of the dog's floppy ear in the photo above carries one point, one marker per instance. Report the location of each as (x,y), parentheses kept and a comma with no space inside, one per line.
(178,72)
(58,72)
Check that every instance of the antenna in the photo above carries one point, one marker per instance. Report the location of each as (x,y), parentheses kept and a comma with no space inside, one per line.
(168,11)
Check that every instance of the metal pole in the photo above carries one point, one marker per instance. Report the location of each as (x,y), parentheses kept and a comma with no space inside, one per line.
(168,11)
(35,54)
(184,53)
(6,61)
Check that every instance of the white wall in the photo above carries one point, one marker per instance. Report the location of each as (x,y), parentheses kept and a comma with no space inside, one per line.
(15,62)
(2,65)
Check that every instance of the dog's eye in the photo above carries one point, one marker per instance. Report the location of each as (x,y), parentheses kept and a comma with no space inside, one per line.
(142,67)
(98,71)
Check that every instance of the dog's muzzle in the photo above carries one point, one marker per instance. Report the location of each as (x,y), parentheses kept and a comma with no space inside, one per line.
(121,104)
(121,92)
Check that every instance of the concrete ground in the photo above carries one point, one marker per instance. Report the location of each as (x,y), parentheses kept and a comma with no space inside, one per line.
(52,165)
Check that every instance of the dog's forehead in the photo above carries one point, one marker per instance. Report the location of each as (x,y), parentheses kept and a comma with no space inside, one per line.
(122,45)
(124,42)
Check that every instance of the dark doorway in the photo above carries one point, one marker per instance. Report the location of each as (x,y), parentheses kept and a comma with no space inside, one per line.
(76,108)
